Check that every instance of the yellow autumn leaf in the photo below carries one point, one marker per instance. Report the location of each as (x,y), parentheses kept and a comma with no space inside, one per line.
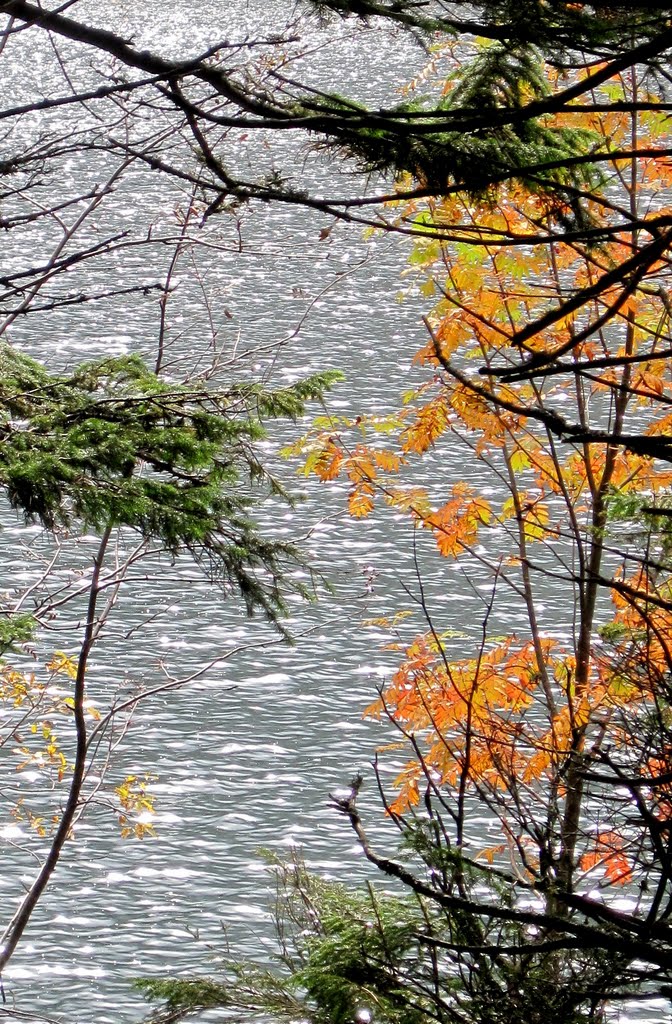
(490,852)
(62,664)
(520,460)
(535,521)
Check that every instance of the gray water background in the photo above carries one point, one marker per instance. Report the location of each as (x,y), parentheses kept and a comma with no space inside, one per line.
(246,756)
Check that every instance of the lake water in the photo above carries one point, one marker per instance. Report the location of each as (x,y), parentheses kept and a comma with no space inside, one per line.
(246,755)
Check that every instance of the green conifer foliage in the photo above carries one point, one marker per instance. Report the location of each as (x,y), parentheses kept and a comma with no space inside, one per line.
(111,444)
(397,956)
(557,25)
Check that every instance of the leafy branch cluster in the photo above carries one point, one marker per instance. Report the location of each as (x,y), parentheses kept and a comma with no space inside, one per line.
(111,444)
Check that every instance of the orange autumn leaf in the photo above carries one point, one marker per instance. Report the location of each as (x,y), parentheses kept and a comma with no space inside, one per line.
(427,424)
(360,502)
(608,855)
(456,524)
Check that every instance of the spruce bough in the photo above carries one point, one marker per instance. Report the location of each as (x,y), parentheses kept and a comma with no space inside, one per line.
(110,444)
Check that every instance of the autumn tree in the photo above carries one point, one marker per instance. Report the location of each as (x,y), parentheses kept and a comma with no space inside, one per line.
(549,364)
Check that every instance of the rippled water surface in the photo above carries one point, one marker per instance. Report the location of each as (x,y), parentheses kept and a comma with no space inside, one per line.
(246,755)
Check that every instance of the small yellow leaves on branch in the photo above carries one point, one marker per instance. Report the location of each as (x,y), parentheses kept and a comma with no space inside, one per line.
(21,813)
(387,621)
(535,520)
(136,806)
(47,758)
(324,460)
(62,664)
(17,688)
(360,501)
